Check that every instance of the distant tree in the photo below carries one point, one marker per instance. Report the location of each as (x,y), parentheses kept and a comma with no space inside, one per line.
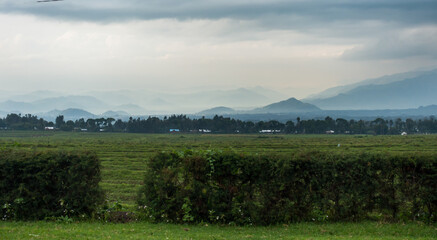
(120,126)
(68,126)
(80,123)
(342,125)
(59,121)
(380,126)
(2,123)
(12,119)
(298,125)
(329,123)
(289,127)
(410,125)
(91,125)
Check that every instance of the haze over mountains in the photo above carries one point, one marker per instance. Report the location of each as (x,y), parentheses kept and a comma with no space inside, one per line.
(334,91)
(291,105)
(400,91)
(404,94)
(133,102)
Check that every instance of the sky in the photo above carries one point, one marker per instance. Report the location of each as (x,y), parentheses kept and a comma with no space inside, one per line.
(297,47)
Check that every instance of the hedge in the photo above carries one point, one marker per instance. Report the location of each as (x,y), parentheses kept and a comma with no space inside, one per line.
(243,189)
(38,185)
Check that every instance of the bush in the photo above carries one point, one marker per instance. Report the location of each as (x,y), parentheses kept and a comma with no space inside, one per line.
(310,186)
(38,185)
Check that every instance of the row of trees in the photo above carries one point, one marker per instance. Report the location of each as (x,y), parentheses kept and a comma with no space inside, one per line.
(220,124)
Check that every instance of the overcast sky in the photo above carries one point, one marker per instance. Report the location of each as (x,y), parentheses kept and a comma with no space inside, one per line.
(298,47)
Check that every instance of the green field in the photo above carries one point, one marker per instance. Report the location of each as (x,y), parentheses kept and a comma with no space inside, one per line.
(85,230)
(124,155)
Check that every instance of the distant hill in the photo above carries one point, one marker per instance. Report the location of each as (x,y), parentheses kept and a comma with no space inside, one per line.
(88,103)
(426,111)
(35,95)
(332,92)
(139,101)
(69,114)
(114,114)
(407,93)
(217,110)
(47,104)
(186,101)
(130,108)
(14,106)
(74,114)
(290,105)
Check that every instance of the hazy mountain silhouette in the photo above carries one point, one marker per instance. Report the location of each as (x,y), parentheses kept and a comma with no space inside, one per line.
(218,111)
(87,103)
(291,105)
(287,106)
(332,92)
(412,92)
(35,96)
(130,108)
(138,102)
(115,114)
(13,106)
(69,114)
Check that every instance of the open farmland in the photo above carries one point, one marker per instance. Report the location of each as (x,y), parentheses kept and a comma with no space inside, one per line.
(124,156)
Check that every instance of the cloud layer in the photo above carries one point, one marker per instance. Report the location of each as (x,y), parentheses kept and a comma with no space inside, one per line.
(357,19)
(297,11)
(281,43)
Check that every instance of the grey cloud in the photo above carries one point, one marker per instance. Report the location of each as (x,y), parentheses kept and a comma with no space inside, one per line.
(293,13)
(416,43)
(346,21)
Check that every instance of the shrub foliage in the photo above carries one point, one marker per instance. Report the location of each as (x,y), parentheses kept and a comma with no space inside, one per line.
(38,185)
(309,186)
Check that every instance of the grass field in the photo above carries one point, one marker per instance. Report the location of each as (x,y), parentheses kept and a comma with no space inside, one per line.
(125,155)
(86,230)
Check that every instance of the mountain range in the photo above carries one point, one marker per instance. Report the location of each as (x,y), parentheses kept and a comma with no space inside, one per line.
(48,104)
(400,91)
(134,102)
(331,92)
(410,94)
(291,105)
(403,94)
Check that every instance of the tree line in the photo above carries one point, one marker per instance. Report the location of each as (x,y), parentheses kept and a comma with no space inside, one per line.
(220,124)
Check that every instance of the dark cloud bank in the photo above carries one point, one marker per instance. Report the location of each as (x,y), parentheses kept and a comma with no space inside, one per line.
(327,17)
(402,11)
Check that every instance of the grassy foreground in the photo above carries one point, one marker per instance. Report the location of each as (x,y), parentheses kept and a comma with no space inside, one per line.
(124,155)
(96,230)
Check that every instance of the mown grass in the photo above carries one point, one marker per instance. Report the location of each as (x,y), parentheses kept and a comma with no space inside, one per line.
(96,230)
(125,155)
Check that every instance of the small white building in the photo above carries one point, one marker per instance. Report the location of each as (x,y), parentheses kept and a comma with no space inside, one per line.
(49,128)
(269,131)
